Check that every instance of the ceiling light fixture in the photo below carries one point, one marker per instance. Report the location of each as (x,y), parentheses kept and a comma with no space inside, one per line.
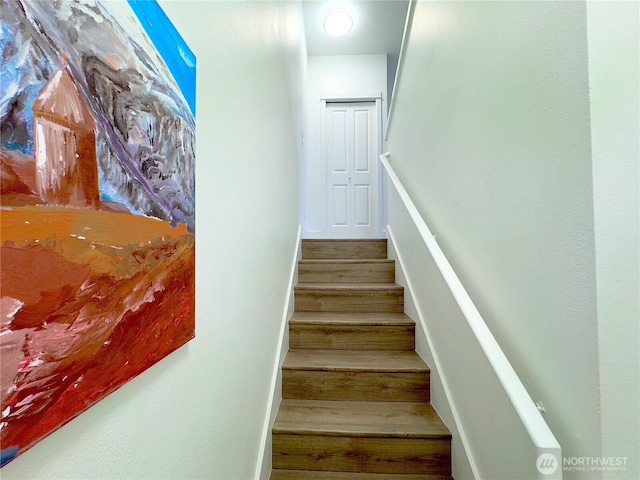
(338,23)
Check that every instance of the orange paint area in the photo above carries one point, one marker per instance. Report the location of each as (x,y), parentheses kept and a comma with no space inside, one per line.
(89,299)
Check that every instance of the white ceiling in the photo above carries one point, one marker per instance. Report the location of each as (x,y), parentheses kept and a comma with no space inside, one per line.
(378,26)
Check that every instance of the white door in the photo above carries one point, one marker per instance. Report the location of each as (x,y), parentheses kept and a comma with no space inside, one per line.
(351,145)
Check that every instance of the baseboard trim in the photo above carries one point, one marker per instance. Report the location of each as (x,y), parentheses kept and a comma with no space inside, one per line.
(263,464)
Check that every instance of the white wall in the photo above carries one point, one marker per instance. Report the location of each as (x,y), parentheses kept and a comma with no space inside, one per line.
(491,136)
(339,77)
(200,412)
(497,431)
(614,70)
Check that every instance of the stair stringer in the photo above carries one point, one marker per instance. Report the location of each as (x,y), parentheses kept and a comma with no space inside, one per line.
(462,464)
(263,463)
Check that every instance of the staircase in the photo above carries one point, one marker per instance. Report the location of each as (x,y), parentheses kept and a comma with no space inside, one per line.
(355,393)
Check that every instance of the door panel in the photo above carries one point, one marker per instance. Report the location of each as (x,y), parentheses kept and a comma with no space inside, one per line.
(363,205)
(361,137)
(340,208)
(339,142)
(352,177)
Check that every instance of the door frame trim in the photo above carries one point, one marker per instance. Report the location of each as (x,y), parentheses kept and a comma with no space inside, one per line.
(371,97)
(358,98)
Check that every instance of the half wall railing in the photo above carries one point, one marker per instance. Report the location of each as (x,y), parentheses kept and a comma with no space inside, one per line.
(498,431)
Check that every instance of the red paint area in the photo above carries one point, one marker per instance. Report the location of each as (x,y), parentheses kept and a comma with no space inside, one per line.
(82,316)
(27,276)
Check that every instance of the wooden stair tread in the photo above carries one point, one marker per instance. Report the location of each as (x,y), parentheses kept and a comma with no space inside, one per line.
(346,318)
(351,331)
(348,248)
(361,419)
(343,270)
(354,360)
(344,261)
(318,475)
(349,297)
(355,394)
(337,286)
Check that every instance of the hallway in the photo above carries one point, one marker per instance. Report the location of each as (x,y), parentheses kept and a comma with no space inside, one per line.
(513,126)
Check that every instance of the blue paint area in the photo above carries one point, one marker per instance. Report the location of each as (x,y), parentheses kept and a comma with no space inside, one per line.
(171,46)
(19,88)
(8,454)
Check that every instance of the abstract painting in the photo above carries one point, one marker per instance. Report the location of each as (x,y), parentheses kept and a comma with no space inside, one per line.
(97,205)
